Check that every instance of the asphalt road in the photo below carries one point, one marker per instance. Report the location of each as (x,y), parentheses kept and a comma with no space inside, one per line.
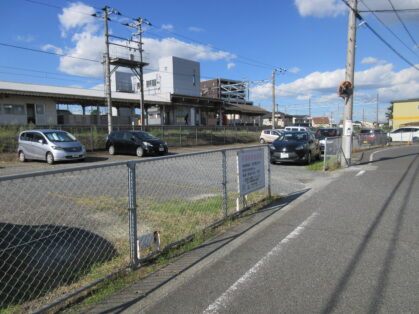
(351,247)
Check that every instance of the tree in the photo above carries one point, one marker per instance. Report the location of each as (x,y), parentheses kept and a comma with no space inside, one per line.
(389,113)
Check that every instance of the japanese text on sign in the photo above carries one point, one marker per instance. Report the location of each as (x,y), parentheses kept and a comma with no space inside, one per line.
(251,171)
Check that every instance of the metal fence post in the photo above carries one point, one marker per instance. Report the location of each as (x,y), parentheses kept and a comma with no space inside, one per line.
(269,175)
(132,213)
(324,154)
(224,183)
(180,136)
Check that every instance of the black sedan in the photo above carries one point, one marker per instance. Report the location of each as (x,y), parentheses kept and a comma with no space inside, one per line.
(139,143)
(294,147)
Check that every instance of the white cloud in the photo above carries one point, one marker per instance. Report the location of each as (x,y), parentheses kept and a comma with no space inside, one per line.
(196,29)
(88,46)
(230,65)
(333,8)
(88,43)
(54,49)
(156,49)
(77,15)
(323,85)
(25,38)
(320,8)
(168,27)
(294,70)
(371,60)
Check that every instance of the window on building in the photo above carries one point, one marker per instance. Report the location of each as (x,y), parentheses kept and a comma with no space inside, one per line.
(13,109)
(151,83)
(40,109)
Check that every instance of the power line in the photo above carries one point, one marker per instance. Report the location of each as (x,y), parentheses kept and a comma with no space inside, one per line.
(394,34)
(47,52)
(254,63)
(378,35)
(404,25)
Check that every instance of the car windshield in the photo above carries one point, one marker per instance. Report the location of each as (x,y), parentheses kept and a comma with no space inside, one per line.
(326,133)
(365,131)
(144,135)
(60,136)
(293,137)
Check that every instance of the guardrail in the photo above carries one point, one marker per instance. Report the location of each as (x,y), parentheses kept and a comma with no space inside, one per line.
(64,230)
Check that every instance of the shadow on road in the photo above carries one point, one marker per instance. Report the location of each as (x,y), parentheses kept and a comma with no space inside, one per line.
(388,261)
(36,259)
(202,252)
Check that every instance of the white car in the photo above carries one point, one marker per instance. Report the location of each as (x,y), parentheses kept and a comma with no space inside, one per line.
(269,135)
(405,134)
(297,128)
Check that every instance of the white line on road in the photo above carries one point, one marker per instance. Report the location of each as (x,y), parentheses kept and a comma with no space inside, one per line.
(222,301)
(360,173)
(380,151)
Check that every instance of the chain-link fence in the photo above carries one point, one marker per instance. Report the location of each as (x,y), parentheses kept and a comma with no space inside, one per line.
(94,137)
(62,230)
(332,148)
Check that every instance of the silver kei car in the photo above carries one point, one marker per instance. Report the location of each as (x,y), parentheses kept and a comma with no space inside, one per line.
(49,145)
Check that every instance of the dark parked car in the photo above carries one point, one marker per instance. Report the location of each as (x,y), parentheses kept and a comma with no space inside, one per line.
(295,147)
(372,137)
(139,143)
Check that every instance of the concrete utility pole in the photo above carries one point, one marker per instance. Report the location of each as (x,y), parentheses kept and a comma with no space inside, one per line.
(107,69)
(139,23)
(376,119)
(273,95)
(273,99)
(349,76)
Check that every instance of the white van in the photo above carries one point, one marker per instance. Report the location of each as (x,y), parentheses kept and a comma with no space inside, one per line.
(297,128)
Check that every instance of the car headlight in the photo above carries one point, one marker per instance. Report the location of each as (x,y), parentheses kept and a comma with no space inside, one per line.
(271,147)
(57,148)
(147,144)
(83,148)
(300,147)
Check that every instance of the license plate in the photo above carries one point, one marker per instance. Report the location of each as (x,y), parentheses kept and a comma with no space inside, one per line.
(284,155)
(365,142)
(74,156)
(161,149)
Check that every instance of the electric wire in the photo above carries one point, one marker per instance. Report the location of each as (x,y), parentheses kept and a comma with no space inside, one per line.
(389,29)
(379,36)
(404,25)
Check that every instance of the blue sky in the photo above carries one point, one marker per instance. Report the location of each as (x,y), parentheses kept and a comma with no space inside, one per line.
(243,40)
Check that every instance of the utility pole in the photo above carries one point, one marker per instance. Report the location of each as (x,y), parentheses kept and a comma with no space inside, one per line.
(105,15)
(273,95)
(376,119)
(139,22)
(309,106)
(273,99)
(349,77)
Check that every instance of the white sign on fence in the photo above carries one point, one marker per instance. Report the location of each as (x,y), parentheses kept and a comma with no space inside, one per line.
(251,170)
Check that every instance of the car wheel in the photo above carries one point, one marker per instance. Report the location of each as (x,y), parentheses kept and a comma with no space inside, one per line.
(22,157)
(262,141)
(139,151)
(50,159)
(308,160)
(111,150)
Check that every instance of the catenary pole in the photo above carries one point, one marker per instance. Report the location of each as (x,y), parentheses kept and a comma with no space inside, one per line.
(349,76)
(107,70)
